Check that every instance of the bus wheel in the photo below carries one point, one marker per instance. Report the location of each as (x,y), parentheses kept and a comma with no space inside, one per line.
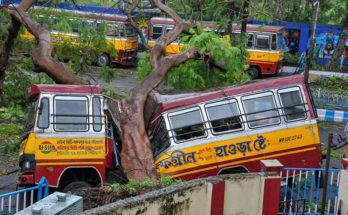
(103,60)
(75,185)
(254,73)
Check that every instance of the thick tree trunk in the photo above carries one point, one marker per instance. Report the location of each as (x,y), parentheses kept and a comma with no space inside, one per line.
(7,47)
(332,65)
(136,156)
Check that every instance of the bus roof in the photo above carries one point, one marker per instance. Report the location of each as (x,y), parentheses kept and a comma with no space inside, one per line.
(36,89)
(87,15)
(169,102)
(235,27)
(259,28)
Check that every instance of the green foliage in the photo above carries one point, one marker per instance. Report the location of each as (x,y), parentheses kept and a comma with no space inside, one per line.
(134,187)
(334,83)
(110,92)
(291,59)
(4,19)
(107,74)
(195,74)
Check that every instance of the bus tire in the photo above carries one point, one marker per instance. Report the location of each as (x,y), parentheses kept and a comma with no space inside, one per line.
(76,185)
(103,60)
(254,73)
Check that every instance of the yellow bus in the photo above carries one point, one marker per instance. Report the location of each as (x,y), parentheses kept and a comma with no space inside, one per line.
(120,34)
(264,44)
(73,141)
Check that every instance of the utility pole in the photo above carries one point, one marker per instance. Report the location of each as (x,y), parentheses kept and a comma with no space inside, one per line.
(311,46)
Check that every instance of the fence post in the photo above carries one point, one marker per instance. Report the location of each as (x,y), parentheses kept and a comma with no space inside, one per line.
(326,176)
(43,182)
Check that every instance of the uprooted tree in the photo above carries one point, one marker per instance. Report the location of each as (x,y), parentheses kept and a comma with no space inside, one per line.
(136,156)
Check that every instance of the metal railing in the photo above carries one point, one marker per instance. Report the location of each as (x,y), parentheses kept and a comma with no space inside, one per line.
(11,203)
(302,191)
(328,99)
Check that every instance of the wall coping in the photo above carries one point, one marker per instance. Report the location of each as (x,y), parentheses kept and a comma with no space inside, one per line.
(172,190)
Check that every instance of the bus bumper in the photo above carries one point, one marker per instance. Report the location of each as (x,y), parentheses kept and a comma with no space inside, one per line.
(25,180)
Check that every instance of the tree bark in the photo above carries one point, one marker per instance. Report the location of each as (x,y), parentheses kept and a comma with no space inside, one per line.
(7,47)
(332,65)
(244,17)
(311,44)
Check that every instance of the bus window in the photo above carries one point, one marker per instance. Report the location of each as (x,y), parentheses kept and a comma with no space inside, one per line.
(274,42)
(224,116)
(160,140)
(292,102)
(262,41)
(71,114)
(156,31)
(44,114)
(112,30)
(250,41)
(169,28)
(129,31)
(74,25)
(187,125)
(97,115)
(261,110)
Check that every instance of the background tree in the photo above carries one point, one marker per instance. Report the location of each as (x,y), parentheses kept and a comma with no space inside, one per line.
(340,48)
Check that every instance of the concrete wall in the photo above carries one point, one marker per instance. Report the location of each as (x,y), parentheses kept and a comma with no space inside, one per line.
(343,190)
(230,194)
(244,195)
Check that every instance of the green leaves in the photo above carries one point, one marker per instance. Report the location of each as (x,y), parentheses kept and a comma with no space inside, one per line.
(198,74)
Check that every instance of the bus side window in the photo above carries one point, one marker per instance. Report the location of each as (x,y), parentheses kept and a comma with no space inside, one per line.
(250,43)
(261,110)
(160,138)
(44,114)
(187,125)
(293,105)
(97,115)
(224,116)
(156,31)
(262,41)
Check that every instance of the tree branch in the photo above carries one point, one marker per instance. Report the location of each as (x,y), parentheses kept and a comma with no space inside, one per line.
(7,47)
(180,58)
(157,76)
(129,12)
(180,24)
(42,55)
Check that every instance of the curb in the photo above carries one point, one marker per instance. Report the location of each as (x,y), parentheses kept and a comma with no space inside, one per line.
(332,115)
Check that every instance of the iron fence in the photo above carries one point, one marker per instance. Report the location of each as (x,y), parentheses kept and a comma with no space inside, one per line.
(329,99)
(302,191)
(13,202)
